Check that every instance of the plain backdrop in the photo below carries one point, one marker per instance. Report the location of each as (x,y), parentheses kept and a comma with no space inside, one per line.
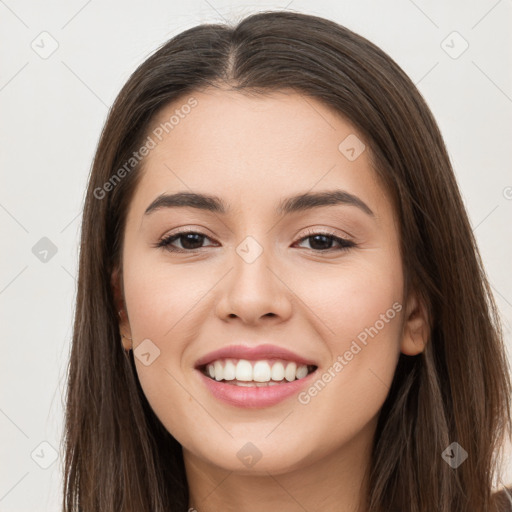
(62,65)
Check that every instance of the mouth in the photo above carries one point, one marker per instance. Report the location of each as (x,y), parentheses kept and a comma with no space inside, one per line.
(256,373)
(259,376)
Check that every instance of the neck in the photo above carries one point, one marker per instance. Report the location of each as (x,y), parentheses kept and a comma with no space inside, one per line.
(336,482)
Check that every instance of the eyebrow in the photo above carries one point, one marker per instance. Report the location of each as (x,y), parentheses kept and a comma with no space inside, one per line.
(293,204)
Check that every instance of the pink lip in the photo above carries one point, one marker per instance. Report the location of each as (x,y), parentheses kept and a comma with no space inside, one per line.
(255,397)
(253,354)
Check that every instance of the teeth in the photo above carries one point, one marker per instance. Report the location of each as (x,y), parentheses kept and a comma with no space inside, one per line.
(301,372)
(261,372)
(243,370)
(256,373)
(289,373)
(229,371)
(218,370)
(278,371)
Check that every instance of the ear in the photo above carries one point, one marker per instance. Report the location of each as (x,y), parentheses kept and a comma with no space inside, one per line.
(117,291)
(416,330)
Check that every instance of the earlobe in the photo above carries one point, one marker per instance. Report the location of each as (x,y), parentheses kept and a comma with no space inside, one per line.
(416,331)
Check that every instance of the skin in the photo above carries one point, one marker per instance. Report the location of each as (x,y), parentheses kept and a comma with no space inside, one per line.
(252,151)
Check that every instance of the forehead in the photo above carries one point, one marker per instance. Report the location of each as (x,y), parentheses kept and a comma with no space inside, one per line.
(253,149)
(236,124)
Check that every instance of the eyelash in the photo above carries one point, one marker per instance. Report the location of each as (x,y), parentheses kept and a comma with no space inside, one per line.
(345,244)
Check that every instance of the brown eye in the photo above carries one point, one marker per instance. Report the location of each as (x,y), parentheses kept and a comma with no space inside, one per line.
(189,241)
(322,242)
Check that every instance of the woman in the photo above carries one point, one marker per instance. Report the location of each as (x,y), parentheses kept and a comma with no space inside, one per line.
(281,304)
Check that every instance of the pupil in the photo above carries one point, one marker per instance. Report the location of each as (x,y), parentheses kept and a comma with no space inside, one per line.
(190,238)
(326,245)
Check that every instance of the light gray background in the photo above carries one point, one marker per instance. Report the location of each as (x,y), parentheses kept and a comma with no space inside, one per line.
(52,112)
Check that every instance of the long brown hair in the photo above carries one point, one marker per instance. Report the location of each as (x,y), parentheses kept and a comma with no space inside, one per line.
(118,455)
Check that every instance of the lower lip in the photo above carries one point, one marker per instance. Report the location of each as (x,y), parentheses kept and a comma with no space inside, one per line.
(254,397)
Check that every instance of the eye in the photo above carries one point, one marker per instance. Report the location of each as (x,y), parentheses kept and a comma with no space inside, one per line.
(190,241)
(323,241)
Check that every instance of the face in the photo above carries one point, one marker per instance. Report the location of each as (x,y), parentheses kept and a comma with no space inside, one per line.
(318,281)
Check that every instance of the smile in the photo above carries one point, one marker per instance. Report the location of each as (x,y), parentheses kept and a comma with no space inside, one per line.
(261,373)
(255,384)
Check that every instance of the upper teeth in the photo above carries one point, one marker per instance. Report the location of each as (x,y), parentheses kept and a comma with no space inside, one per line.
(258,371)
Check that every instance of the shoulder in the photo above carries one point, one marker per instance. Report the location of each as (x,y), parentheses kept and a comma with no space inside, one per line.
(503,499)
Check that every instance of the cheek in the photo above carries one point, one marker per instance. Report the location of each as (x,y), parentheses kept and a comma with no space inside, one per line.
(357,298)
(164,305)
(160,298)
(359,315)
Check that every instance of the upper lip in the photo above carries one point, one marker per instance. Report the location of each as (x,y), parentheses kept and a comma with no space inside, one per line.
(253,353)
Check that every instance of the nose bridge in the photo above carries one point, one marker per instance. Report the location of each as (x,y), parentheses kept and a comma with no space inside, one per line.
(251,272)
(253,290)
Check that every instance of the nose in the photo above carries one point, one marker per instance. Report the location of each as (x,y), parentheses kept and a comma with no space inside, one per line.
(255,292)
